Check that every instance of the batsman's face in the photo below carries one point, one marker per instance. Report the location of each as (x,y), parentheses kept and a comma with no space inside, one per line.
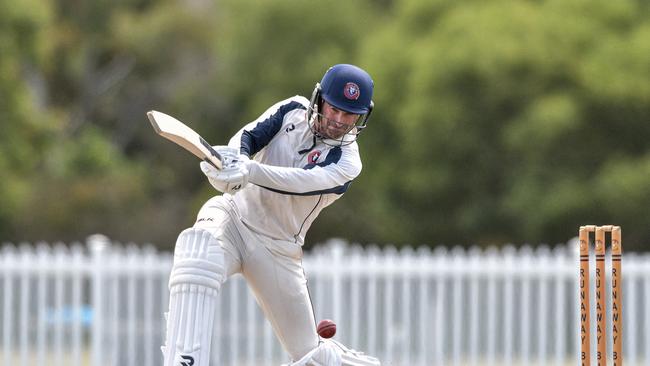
(334,123)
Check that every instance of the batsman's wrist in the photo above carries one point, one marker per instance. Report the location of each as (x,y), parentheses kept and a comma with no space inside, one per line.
(253,168)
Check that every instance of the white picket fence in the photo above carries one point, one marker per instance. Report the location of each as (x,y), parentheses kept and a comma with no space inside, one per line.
(102,304)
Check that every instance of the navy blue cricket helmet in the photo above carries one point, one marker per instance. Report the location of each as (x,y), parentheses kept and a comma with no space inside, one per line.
(348,88)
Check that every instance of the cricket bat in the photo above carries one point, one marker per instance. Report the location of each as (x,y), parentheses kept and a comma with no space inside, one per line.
(179,133)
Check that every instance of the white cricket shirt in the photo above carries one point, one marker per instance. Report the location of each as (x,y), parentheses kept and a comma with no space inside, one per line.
(293,175)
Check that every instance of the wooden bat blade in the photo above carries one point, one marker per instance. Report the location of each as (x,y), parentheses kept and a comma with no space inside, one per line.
(179,133)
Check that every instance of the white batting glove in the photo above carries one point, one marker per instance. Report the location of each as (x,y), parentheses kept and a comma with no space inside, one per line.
(234,175)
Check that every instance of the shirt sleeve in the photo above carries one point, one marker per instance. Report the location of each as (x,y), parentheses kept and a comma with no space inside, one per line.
(334,177)
(257,134)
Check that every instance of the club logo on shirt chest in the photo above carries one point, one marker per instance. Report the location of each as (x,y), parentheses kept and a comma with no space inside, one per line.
(313,156)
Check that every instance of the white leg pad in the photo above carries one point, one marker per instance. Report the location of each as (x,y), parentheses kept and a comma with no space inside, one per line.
(332,353)
(194,283)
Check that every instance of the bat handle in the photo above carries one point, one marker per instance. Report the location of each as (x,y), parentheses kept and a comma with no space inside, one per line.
(209,161)
(211,149)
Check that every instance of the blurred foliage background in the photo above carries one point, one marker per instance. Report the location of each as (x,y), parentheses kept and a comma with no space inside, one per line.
(495,121)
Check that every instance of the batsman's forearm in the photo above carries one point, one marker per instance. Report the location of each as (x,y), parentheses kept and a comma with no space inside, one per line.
(298,180)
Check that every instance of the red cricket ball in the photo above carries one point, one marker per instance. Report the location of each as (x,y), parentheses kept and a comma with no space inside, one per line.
(326,328)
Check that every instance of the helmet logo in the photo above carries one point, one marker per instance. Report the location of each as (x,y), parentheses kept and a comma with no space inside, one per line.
(351,91)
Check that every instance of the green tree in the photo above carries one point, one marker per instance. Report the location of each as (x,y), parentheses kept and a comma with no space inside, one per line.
(80,78)
(494,121)
(513,121)
(24,126)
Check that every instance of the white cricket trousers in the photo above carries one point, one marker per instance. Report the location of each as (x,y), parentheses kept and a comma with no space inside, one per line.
(273,270)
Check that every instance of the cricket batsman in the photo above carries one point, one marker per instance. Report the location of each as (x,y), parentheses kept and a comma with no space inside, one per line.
(279,172)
